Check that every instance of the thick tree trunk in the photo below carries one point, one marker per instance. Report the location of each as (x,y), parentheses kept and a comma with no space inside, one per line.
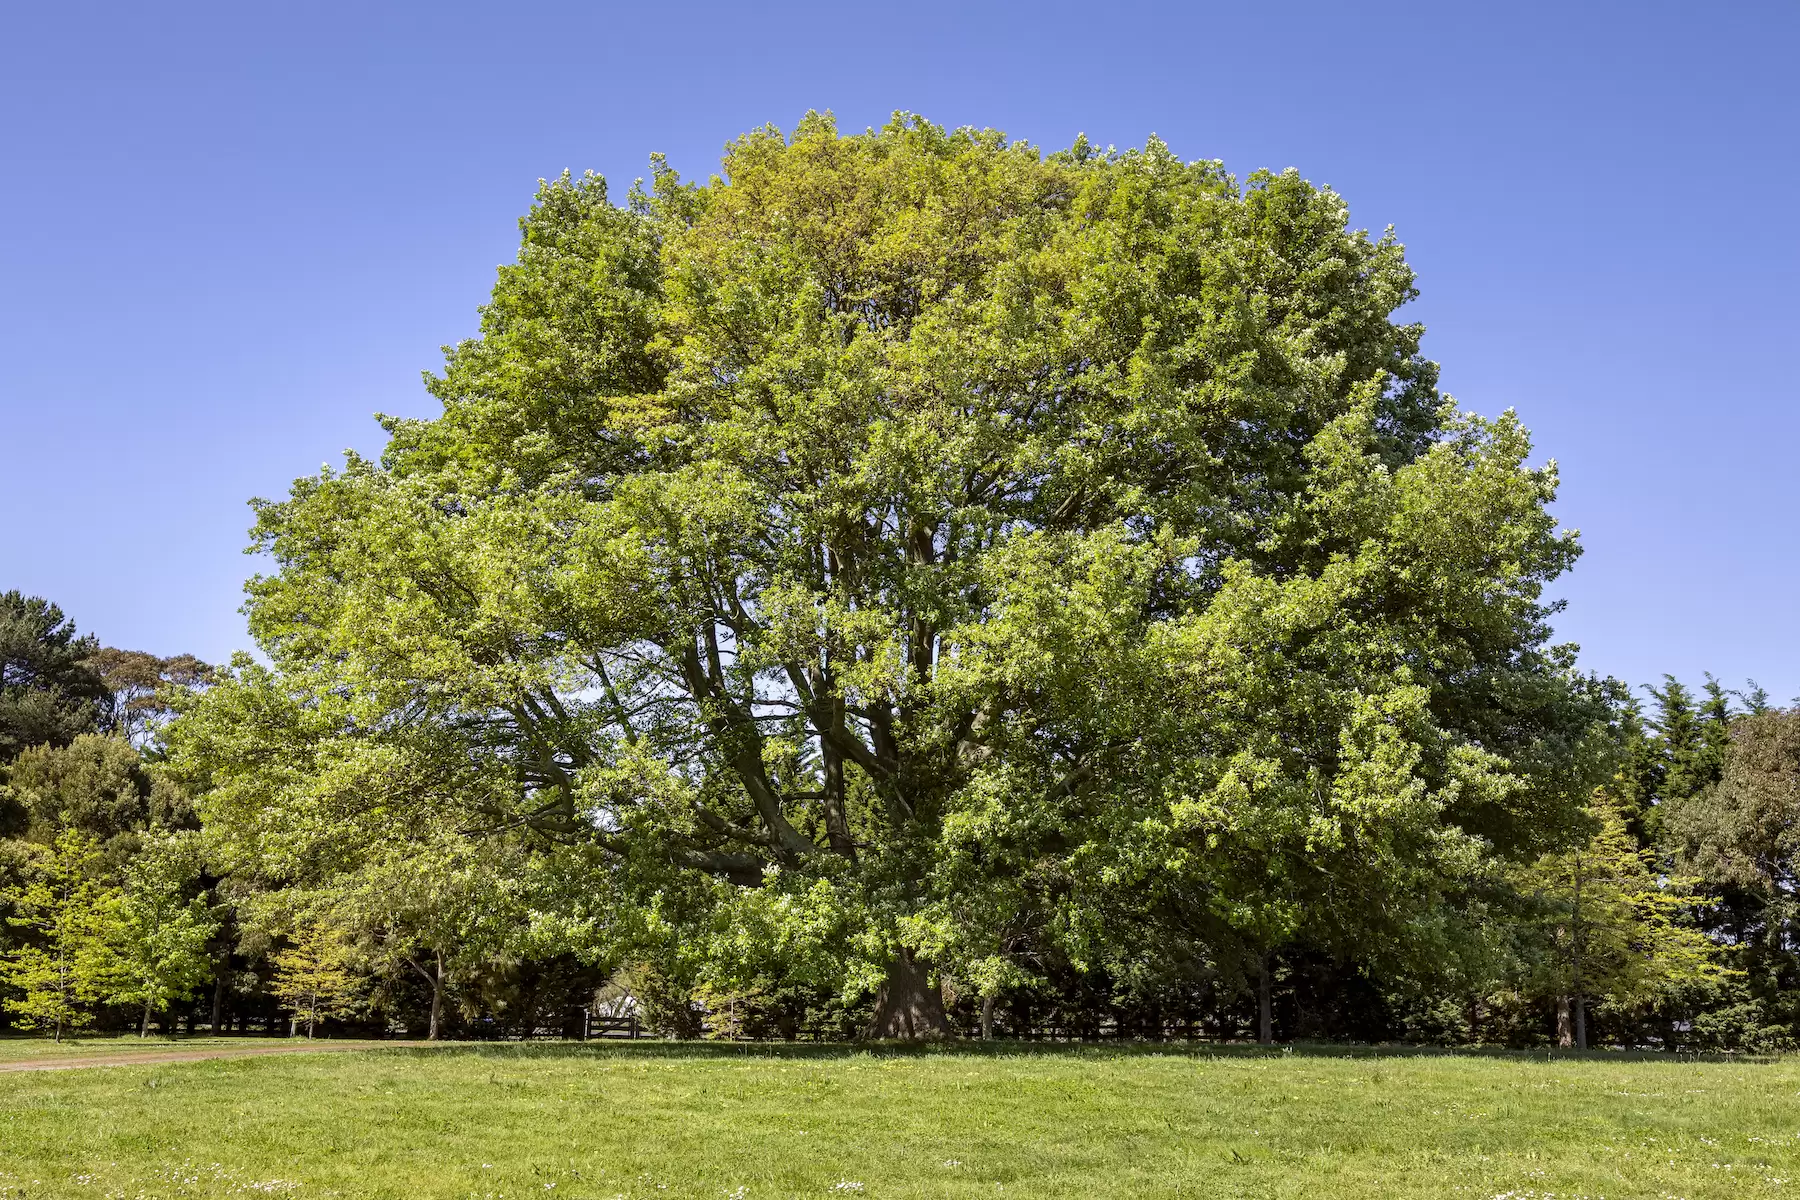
(910,1004)
(987,1018)
(144,1028)
(837,823)
(1565,1025)
(1265,1001)
(1580,1021)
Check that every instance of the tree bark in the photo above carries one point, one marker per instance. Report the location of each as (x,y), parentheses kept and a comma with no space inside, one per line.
(1565,1025)
(437,998)
(987,1018)
(144,1027)
(436,982)
(1265,1001)
(1575,944)
(220,966)
(910,1005)
(830,721)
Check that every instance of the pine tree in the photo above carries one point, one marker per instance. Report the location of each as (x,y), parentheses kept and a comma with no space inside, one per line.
(1755,698)
(48,691)
(1694,734)
(1638,781)
(1716,716)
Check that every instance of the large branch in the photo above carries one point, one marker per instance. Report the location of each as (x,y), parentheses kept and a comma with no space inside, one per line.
(738,735)
(742,869)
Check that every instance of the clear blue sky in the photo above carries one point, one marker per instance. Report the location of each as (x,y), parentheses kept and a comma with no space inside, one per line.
(230,233)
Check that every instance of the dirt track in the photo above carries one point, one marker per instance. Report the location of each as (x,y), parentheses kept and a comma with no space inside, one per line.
(152,1057)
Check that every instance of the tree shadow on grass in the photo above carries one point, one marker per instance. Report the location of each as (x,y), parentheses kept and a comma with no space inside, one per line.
(649,1048)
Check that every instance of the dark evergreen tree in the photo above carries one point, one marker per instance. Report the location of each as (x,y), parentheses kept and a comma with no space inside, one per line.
(1686,752)
(1677,726)
(49,692)
(1755,698)
(1716,716)
(1642,769)
(1741,834)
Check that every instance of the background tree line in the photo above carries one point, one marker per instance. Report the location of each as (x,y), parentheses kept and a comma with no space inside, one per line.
(114,916)
(913,583)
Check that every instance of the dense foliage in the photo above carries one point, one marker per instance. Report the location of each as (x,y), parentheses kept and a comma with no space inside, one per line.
(49,692)
(912,582)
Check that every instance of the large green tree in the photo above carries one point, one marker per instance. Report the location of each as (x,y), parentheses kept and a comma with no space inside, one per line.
(439,910)
(159,926)
(1015,554)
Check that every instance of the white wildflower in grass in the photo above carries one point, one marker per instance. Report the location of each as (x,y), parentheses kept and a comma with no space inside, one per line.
(847,1185)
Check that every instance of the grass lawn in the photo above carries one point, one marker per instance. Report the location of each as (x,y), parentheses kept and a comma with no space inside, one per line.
(655,1120)
(24,1049)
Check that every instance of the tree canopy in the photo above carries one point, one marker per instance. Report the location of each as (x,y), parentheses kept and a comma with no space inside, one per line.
(969,556)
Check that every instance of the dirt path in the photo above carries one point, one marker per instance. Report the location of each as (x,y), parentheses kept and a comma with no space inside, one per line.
(151,1057)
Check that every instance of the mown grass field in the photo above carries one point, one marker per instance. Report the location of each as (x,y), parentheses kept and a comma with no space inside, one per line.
(600,1121)
(26,1049)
